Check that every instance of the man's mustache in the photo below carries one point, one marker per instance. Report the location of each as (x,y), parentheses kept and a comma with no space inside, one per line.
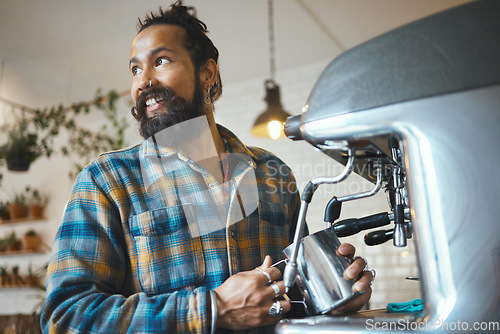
(167,95)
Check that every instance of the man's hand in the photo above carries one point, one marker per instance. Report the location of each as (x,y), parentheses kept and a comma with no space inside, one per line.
(363,284)
(244,299)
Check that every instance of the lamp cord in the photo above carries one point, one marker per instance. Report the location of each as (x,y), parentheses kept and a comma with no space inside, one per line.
(1,76)
(272,65)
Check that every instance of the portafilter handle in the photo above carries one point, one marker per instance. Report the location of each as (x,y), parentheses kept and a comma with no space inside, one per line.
(378,237)
(348,227)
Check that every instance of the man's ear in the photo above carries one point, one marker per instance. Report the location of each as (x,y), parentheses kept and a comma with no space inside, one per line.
(208,73)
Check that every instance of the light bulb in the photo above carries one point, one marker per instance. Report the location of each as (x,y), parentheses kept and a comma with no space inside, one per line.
(274,129)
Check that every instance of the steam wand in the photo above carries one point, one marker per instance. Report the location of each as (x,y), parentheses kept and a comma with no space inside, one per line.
(291,267)
(334,206)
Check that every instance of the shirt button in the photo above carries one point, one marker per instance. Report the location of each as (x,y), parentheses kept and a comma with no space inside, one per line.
(233,235)
(212,185)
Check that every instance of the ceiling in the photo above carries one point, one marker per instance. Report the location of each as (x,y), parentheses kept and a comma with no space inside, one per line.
(61,51)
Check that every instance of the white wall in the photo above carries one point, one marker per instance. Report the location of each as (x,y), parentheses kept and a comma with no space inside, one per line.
(240,104)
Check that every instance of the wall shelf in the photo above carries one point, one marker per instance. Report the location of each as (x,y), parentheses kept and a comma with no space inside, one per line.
(19,287)
(23,221)
(21,253)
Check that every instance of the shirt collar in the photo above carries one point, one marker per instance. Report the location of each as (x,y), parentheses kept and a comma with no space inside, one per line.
(235,143)
(150,148)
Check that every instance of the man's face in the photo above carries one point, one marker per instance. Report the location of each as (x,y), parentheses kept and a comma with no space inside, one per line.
(165,89)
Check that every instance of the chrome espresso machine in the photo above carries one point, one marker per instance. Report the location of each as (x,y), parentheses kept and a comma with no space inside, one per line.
(416,111)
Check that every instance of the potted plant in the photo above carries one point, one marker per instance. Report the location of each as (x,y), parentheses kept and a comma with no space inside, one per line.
(22,147)
(17,280)
(31,241)
(32,278)
(13,243)
(3,245)
(36,201)
(4,211)
(17,207)
(3,275)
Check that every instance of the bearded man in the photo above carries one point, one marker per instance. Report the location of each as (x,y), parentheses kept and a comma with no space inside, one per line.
(178,233)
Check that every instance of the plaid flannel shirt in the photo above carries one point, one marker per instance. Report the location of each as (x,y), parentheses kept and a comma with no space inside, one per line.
(126,258)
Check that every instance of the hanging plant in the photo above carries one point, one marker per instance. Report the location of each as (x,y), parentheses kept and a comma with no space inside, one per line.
(25,145)
(85,144)
(22,147)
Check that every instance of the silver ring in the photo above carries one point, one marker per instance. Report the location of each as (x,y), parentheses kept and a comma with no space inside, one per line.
(374,273)
(268,276)
(364,259)
(276,289)
(276,309)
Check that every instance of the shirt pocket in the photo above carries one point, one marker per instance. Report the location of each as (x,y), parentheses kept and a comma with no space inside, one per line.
(273,229)
(274,213)
(168,249)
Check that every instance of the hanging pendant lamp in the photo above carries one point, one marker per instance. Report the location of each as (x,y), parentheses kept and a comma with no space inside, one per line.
(269,124)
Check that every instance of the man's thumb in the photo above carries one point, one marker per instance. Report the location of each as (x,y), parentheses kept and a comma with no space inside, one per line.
(267,262)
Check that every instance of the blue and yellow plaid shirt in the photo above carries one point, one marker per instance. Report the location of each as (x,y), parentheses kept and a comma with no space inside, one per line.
(128,257)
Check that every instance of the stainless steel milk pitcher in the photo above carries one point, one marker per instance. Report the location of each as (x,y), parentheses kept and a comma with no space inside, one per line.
(320,272)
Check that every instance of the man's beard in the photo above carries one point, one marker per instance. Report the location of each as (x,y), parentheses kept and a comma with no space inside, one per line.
(177,110)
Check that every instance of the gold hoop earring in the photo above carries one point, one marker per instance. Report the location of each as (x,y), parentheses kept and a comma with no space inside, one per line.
(208,100)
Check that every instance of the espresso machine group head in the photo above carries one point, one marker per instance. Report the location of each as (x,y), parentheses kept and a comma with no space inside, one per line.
(417,111)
